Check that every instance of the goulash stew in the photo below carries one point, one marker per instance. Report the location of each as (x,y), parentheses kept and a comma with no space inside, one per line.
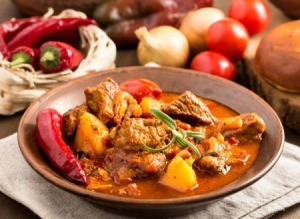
(133,140)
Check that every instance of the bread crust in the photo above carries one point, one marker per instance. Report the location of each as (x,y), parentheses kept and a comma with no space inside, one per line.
(278,56)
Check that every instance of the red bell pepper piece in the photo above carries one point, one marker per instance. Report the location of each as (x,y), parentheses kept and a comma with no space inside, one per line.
(24,54)
(58,56)
(49,137)
(140,88)
(37,33)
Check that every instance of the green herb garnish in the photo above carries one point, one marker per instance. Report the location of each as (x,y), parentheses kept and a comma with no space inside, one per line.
(178,135)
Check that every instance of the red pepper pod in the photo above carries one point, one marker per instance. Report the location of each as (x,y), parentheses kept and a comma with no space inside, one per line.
(3,46)
(24,55)
(49,137)
(37,33)
(12,27)
(9,29)
(57,56)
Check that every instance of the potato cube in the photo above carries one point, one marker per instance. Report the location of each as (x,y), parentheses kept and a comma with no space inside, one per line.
(232,122)
(97,184)
(179,175)
(147,103)
(91,135)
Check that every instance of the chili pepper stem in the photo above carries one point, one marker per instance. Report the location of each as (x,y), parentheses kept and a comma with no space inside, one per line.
(58,56)
(20,58)
(48,57)
(17,61)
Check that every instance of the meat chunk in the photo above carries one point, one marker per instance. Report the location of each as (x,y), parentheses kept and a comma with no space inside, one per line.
(133,132)
(125,106)
(190,109)
(124,166)
(100,99)
(212,163)
(71,120)
(110,104)
(252,128)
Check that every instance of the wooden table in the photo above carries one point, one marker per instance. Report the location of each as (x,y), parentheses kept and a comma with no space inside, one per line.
(8,125)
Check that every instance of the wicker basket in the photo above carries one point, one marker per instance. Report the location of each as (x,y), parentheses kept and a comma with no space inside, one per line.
(40,7)
(20,85)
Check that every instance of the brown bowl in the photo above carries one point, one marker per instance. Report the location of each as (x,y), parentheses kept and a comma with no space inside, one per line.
(177,80)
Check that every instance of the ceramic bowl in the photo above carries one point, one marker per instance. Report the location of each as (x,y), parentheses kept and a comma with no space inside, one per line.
(177,80)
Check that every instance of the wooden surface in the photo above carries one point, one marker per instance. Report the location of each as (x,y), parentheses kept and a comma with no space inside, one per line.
(285,104)
(8,125)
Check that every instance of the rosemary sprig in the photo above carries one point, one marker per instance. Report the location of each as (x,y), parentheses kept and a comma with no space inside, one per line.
(164,118)
(178,135)
(159,149)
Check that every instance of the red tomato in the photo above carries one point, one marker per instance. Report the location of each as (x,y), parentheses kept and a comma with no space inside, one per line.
(228,37)
(253,14)
(213,63)
(140,88)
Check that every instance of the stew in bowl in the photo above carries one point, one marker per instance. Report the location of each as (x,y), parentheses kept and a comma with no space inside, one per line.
(143,135)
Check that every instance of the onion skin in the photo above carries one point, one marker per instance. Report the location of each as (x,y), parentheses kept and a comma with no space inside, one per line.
(164,45)
(196,24)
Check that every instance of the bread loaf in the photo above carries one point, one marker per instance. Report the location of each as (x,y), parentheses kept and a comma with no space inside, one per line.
(278,56)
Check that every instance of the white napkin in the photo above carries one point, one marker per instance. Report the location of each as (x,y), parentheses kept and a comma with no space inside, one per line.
(279,189)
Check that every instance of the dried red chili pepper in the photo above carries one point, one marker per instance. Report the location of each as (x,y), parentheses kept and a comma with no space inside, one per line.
(37,33)
(12,27)
(3,47)
(24,54)
(57,56)
(120,18)
(9,29)
(49,137)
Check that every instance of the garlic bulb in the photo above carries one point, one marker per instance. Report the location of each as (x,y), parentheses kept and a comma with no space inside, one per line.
(164,45)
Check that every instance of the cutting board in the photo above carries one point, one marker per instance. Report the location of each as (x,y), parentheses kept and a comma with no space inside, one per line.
(285,104)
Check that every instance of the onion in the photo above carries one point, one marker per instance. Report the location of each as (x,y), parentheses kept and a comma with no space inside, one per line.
(164,45)
(195,25)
